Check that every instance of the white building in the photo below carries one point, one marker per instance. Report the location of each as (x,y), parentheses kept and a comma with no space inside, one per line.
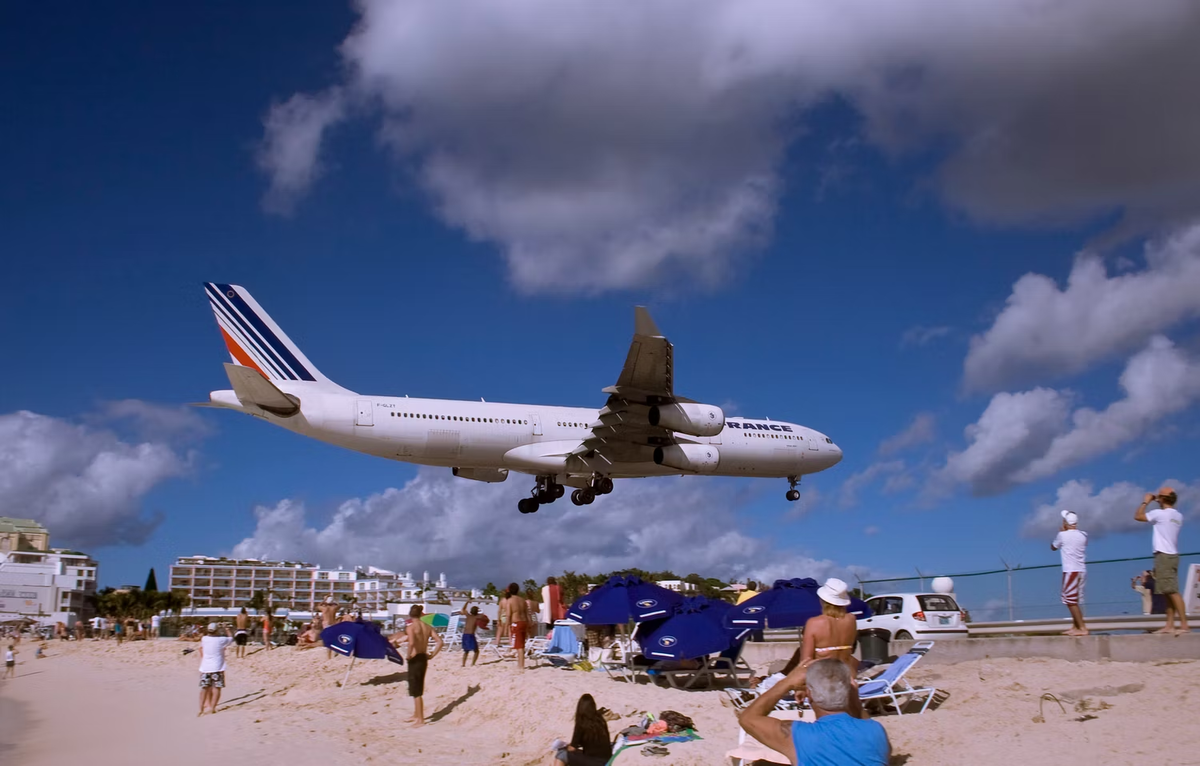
(679,586)
(229,583)
(50,586)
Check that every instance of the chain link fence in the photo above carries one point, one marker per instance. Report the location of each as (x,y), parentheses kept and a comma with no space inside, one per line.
(1032,593)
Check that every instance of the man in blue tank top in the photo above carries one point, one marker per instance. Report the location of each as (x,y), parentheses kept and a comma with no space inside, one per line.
(836,738)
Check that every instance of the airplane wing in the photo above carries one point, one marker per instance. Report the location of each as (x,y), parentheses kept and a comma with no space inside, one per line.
(623,433)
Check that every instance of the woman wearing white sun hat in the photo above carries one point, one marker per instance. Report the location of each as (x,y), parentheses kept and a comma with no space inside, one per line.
(831,634)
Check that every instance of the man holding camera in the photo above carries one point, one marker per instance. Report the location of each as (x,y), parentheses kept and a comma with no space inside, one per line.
(1167,522)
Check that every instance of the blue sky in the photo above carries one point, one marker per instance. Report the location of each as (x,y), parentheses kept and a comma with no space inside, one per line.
(819,248)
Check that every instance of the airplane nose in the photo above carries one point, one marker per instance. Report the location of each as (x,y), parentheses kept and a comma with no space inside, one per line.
(837,455)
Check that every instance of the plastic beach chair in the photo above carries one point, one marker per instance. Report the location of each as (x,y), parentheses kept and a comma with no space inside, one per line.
(891,686)
(749,749)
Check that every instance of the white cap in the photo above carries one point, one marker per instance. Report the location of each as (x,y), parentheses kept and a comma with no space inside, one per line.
(212,627)
(835,592)
(1070,517)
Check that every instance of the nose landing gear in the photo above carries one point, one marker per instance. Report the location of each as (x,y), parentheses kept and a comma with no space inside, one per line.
(793,494)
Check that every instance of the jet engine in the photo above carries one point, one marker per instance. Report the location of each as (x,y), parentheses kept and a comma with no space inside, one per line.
(699,458)
(690,419)
(489,475)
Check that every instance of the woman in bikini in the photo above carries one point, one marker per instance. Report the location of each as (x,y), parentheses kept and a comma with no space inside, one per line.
(830,635)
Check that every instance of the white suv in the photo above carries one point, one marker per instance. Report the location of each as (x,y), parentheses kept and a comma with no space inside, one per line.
(908,616)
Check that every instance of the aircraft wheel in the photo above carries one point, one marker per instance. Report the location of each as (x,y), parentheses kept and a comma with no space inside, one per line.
(576,497)
(793,495)
(545,497)
(606,486)
(527,505)
(586,496)
(559,491)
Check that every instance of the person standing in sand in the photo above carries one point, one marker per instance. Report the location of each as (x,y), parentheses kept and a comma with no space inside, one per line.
(10,661)
(1167,522)
(266,628)
(469,642)
(518,615)
(241,637)
(417,635)
(1071,543)
(502,624)
(212,667)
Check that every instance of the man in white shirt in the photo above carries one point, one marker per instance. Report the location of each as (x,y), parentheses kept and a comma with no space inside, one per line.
(1071,543)
(155,626)
(1167,522)
(212,667)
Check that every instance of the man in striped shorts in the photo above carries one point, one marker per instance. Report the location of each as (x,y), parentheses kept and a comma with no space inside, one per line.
(1072,544)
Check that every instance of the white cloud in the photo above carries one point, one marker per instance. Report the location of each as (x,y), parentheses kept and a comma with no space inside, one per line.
(84,484)
(474,533)
(603,146)
(1011,432)
(153,422)
(1047,331)
(856,482)
(291,147)
(1157,382)
(921,430)
(1109,511)
(921,335)
(1027,436)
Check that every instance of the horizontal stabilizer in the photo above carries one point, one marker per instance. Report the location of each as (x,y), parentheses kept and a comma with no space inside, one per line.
(252,388)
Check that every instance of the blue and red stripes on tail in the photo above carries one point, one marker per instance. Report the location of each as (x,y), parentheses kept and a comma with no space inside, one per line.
(253,339)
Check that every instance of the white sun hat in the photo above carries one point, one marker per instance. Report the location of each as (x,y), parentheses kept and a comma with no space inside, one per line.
(835,592)
(1070,517)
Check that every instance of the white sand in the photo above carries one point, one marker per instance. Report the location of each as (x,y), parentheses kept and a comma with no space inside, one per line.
(94,699)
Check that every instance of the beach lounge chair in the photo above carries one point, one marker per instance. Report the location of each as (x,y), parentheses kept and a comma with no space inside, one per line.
(561,649)
(891,686)
(728,664)
(453,633)
(732,666)
(749,749)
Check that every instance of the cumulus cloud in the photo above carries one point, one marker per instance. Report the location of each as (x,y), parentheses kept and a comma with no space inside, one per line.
(602,146)
(1032,435)
(1109,511)
(1048,331)
(84,484)
(153,422)
(473,532)
(1012,431)
(290,153)
(848,495)
(921,430)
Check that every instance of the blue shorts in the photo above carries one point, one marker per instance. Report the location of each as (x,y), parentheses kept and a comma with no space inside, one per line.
(469,643)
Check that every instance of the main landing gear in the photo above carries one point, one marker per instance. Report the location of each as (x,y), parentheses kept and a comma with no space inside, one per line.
(546,491)
(600,485)
(793,494)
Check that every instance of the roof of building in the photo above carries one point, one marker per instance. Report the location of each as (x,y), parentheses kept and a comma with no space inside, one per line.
(23,526)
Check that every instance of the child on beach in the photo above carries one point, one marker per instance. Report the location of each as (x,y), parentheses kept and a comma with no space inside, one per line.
(10,662)
(469,642)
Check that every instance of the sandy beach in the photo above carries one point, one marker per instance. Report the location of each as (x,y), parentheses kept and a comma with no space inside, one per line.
(100,703)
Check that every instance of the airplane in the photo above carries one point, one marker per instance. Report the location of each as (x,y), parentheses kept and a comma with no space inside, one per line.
(644,429)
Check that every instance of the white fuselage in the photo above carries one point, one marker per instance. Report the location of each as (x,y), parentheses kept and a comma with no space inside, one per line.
(532,439)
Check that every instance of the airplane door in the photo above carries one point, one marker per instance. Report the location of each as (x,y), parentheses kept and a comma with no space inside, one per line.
(812,443)
(365,416)
(537,423)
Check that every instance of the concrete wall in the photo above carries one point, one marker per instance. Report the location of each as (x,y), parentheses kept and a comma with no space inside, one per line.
(1131,648)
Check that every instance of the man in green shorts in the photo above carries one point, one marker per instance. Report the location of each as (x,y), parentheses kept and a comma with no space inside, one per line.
(1167,522)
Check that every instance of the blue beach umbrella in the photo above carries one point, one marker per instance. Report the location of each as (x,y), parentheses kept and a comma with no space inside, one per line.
(359,640)
(788,604)
(621,599)
(696,628)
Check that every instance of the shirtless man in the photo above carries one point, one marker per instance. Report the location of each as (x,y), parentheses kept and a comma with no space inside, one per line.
(469,642)
(242,635)
(417,635)
(266,628)
(518,615)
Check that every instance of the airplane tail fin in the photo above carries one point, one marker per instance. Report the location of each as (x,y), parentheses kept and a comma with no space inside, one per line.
(254,340)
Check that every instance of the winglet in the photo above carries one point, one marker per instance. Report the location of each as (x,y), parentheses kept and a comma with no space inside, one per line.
(643,324)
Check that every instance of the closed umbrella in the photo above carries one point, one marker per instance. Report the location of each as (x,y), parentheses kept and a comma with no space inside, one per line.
(696,628)
(359,640)
(788,604)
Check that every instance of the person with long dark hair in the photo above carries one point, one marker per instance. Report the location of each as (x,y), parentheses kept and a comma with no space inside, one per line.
(590,744)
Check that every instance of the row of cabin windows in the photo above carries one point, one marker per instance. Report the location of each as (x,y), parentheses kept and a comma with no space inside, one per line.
(460,419)
(762,435)
(571,425)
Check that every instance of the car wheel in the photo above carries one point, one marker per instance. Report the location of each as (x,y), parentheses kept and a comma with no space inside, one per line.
(903,635)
